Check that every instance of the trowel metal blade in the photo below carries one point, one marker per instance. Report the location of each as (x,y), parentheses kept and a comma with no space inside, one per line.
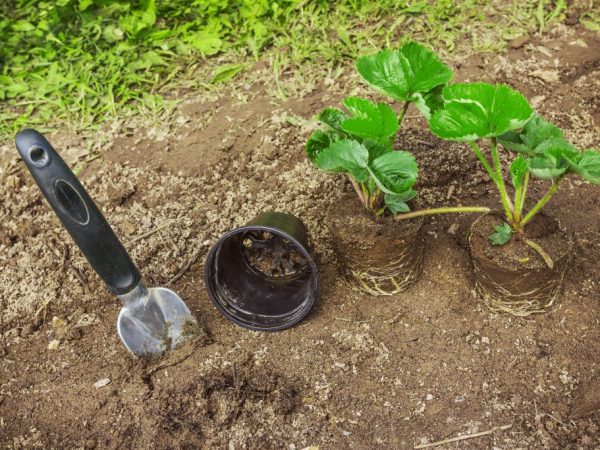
(154,323)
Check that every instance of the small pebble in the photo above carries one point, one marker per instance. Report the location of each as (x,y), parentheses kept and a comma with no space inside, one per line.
(453,228)
(101,383)
(13,332)
(54,344)
(128,227)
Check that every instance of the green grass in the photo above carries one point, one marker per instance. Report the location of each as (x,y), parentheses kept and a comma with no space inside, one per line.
(79,62)
(591,20)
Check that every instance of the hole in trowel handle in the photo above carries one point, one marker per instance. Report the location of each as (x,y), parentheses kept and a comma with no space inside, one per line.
(39,157)
(71,201)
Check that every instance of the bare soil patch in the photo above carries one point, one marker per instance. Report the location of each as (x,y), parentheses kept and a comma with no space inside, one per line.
(358,372)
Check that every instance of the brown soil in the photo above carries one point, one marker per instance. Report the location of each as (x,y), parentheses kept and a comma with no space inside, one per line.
(358,372)
(516,254)
(272,256)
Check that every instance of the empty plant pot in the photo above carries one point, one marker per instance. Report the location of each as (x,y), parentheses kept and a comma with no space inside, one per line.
(515,278)
(377,257)
(261,276)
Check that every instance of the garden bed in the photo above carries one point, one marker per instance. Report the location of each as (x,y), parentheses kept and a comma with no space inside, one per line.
(359,371)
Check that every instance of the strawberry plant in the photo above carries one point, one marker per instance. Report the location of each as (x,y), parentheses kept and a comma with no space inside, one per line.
(359,141)
(478,112)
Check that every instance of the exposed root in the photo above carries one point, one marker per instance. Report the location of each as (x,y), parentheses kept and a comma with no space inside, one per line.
(522,307)
(464,437)
(391,279)
(375,262)
(499,298)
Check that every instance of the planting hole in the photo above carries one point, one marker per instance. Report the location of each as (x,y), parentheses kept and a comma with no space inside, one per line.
(272,256)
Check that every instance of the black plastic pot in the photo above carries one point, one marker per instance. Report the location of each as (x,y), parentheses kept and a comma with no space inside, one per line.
(261,276)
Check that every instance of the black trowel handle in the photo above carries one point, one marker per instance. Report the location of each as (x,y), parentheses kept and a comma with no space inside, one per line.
(78,213)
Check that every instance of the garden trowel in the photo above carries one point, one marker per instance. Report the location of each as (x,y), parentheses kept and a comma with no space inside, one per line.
(152,320)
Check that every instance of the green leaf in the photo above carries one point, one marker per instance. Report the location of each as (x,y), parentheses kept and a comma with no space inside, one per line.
(9,87)
(376,148)
(397,203)
(501,235)
(206,43)
(536,131)
(345,156)
(227,72)
(590,20)
(395,172)
(556,156)
(146,61)
(159,36)
(511,140)
(474,111)
(333,118)
(140,19)
(553,158)
(558,148)
(344,36)
(370,120)
(545,168)
(208,40)
(465,121)
(430,102)
(319,141)
(396,206)
(518,169)
(588,166)
(405,72)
